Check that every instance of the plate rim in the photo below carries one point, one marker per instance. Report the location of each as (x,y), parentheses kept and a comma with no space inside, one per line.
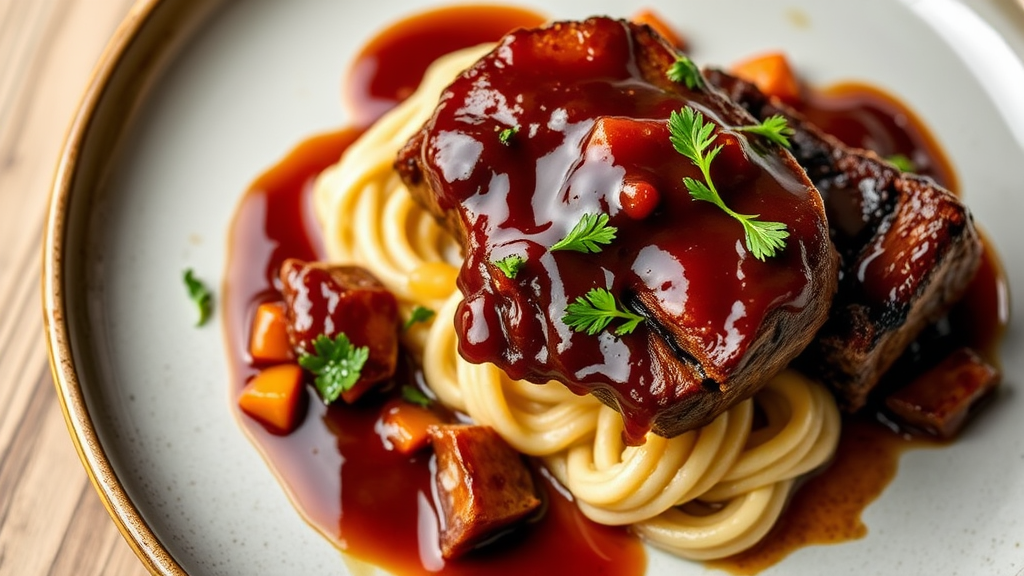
(68,374)
(139,31)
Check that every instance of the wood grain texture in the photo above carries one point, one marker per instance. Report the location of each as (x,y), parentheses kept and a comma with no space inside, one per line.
(51,520)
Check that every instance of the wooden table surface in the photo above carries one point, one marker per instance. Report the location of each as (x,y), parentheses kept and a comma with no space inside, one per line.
(51,520)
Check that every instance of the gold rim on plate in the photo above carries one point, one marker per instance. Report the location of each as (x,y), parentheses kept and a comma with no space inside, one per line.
(142,45)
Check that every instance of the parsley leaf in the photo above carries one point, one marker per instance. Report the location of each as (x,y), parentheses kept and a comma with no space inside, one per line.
(684,71)
(763,239)
(594,311)
(591,230)
(505,136)
(419,314)
(510,265)
(336,365)
(902,163)
(199,294)
(774,128)
(691,136)
(414,395)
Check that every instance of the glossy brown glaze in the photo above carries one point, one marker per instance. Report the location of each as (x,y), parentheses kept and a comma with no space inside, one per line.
(592,103)
(372,502)
(377,505)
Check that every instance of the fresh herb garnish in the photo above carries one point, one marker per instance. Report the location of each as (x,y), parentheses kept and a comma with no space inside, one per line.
(684,71)
(505,136)
(336,365)
(510,265)
(902,163)
(419,314)
(414,395)
(589,232)
(199,294)
(774,128)
(593,312)
(692,137)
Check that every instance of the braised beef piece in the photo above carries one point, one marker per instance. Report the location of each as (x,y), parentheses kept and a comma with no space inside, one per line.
(569,120)
(939,401)
(324,299)
(483,486)
(908,250)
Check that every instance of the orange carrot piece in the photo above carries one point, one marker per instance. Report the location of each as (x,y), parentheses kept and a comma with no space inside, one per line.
(772,74)
(405,426)
(272,397)
(268,341)
(654,20)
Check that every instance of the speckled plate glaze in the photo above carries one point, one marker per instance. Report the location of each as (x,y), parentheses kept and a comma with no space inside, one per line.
(193,99)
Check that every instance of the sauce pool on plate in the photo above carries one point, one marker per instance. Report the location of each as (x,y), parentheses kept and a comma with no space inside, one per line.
(376,504)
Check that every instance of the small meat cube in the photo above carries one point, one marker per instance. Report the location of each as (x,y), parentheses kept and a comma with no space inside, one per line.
(940,400)
(328,300)
(482,484)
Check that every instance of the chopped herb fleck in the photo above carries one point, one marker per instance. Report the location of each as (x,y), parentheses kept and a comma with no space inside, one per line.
(336,364)
(903,163)
(684,71)
(199,294)
(589,232)
(510,265)
(414,395)
(774,128)
(505,136)
(419,314)
(692,137)
(594,311)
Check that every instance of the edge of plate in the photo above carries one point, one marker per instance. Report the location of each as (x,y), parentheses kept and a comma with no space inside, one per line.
(150,34)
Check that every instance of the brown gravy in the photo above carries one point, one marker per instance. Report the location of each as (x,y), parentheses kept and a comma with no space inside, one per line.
(378,507)
(866,117)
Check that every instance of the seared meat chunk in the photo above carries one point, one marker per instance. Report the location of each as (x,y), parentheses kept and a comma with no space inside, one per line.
(483,486)
(940,401)
(591,103)
(324,299)
(908,250)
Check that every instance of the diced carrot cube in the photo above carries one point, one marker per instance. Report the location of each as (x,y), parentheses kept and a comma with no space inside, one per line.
(272,397)
(405,426)
(655,21)
(268,341)
(772,74)
(433,279)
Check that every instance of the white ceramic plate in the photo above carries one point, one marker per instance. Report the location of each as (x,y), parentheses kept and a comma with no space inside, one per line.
(160,155)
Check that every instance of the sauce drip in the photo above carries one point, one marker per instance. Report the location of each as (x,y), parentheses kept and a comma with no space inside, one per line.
(865,117)
(389,68)
(378,506)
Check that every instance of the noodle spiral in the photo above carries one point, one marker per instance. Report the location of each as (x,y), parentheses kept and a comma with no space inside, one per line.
(704,494)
